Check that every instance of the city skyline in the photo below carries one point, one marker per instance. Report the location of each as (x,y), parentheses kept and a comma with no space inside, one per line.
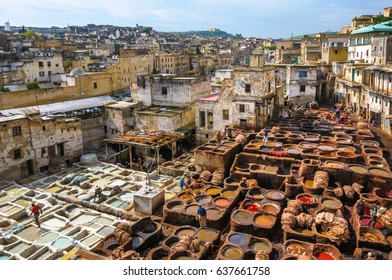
(251,18)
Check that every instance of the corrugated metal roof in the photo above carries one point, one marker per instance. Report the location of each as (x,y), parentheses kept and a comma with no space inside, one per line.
(61,107)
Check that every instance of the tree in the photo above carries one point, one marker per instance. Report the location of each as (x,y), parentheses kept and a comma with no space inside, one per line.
(67,65)
(32,85)
(4,89)
(31,35)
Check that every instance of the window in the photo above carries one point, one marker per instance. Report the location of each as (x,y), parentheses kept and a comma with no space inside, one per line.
(43,152)
(357,73)
(302,88)
(17,130)
(41,73)
(43,128)
(49,63)
(207,136)
(202,119)
(40,64)
(336,51)
(49,73)
(247,88)
(210,117)
(164,90)
(60,149)
(57,65)
(95,85)
(225,114)
(243,124)
(242,108)
(17,154)
(303,74)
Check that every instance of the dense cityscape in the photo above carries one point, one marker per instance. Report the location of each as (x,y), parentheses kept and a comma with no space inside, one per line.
(125,143)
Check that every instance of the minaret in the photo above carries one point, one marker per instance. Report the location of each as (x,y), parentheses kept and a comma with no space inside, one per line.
(7,26)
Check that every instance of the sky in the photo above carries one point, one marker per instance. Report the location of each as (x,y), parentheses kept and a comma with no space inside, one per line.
(251,18)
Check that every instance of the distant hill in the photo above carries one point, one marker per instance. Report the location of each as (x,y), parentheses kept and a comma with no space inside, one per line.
(206,33)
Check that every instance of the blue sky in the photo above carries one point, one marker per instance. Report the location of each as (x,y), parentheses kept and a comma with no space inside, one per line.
(259,18)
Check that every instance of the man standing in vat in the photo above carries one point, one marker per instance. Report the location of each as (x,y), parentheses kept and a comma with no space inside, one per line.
(373,214)
(202,216)
(98,193)
(265,136)
(181,182)
(36,211)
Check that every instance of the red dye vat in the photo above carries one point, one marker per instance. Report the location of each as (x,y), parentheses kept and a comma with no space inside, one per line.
(324,256)
(307,199)
(367,211)
(252,208)
(365,220)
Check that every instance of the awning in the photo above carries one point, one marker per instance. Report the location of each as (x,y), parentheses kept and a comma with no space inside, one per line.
(388,117)
(268,96)
(186,129)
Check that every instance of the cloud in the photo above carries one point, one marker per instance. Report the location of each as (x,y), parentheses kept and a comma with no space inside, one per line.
(261,18)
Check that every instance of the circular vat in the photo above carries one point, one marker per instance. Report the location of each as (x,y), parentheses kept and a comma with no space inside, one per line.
(232,252)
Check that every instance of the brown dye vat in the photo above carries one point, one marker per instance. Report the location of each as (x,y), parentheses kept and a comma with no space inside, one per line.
(229,194)
(175,205)
(185,196)
(305,145)
(294,151)
(369,197)
(181,256)
(375,163)
(373,151)
(331,203)
(159,254)
(335,164)
(360,169)
(214,214)
(232,252)
(379,172)
(203,199)
(256,193)
(275,195)
(260,244)
(207,235)
(192,209)
(171,241)
(221,202)
(271,208)
(264,221)
(312,139)
(369,143)
(347,149)
(290,146)
(213,191)
(185,231)
(298,248)
(243,217)
(256,167)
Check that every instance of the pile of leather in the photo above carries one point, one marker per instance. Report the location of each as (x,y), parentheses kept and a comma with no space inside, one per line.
(217,177)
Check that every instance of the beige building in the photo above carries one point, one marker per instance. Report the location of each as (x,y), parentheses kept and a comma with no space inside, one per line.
(120,117)
(30,144)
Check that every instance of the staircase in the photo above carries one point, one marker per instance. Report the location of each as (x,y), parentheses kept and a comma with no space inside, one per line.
(276,113)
